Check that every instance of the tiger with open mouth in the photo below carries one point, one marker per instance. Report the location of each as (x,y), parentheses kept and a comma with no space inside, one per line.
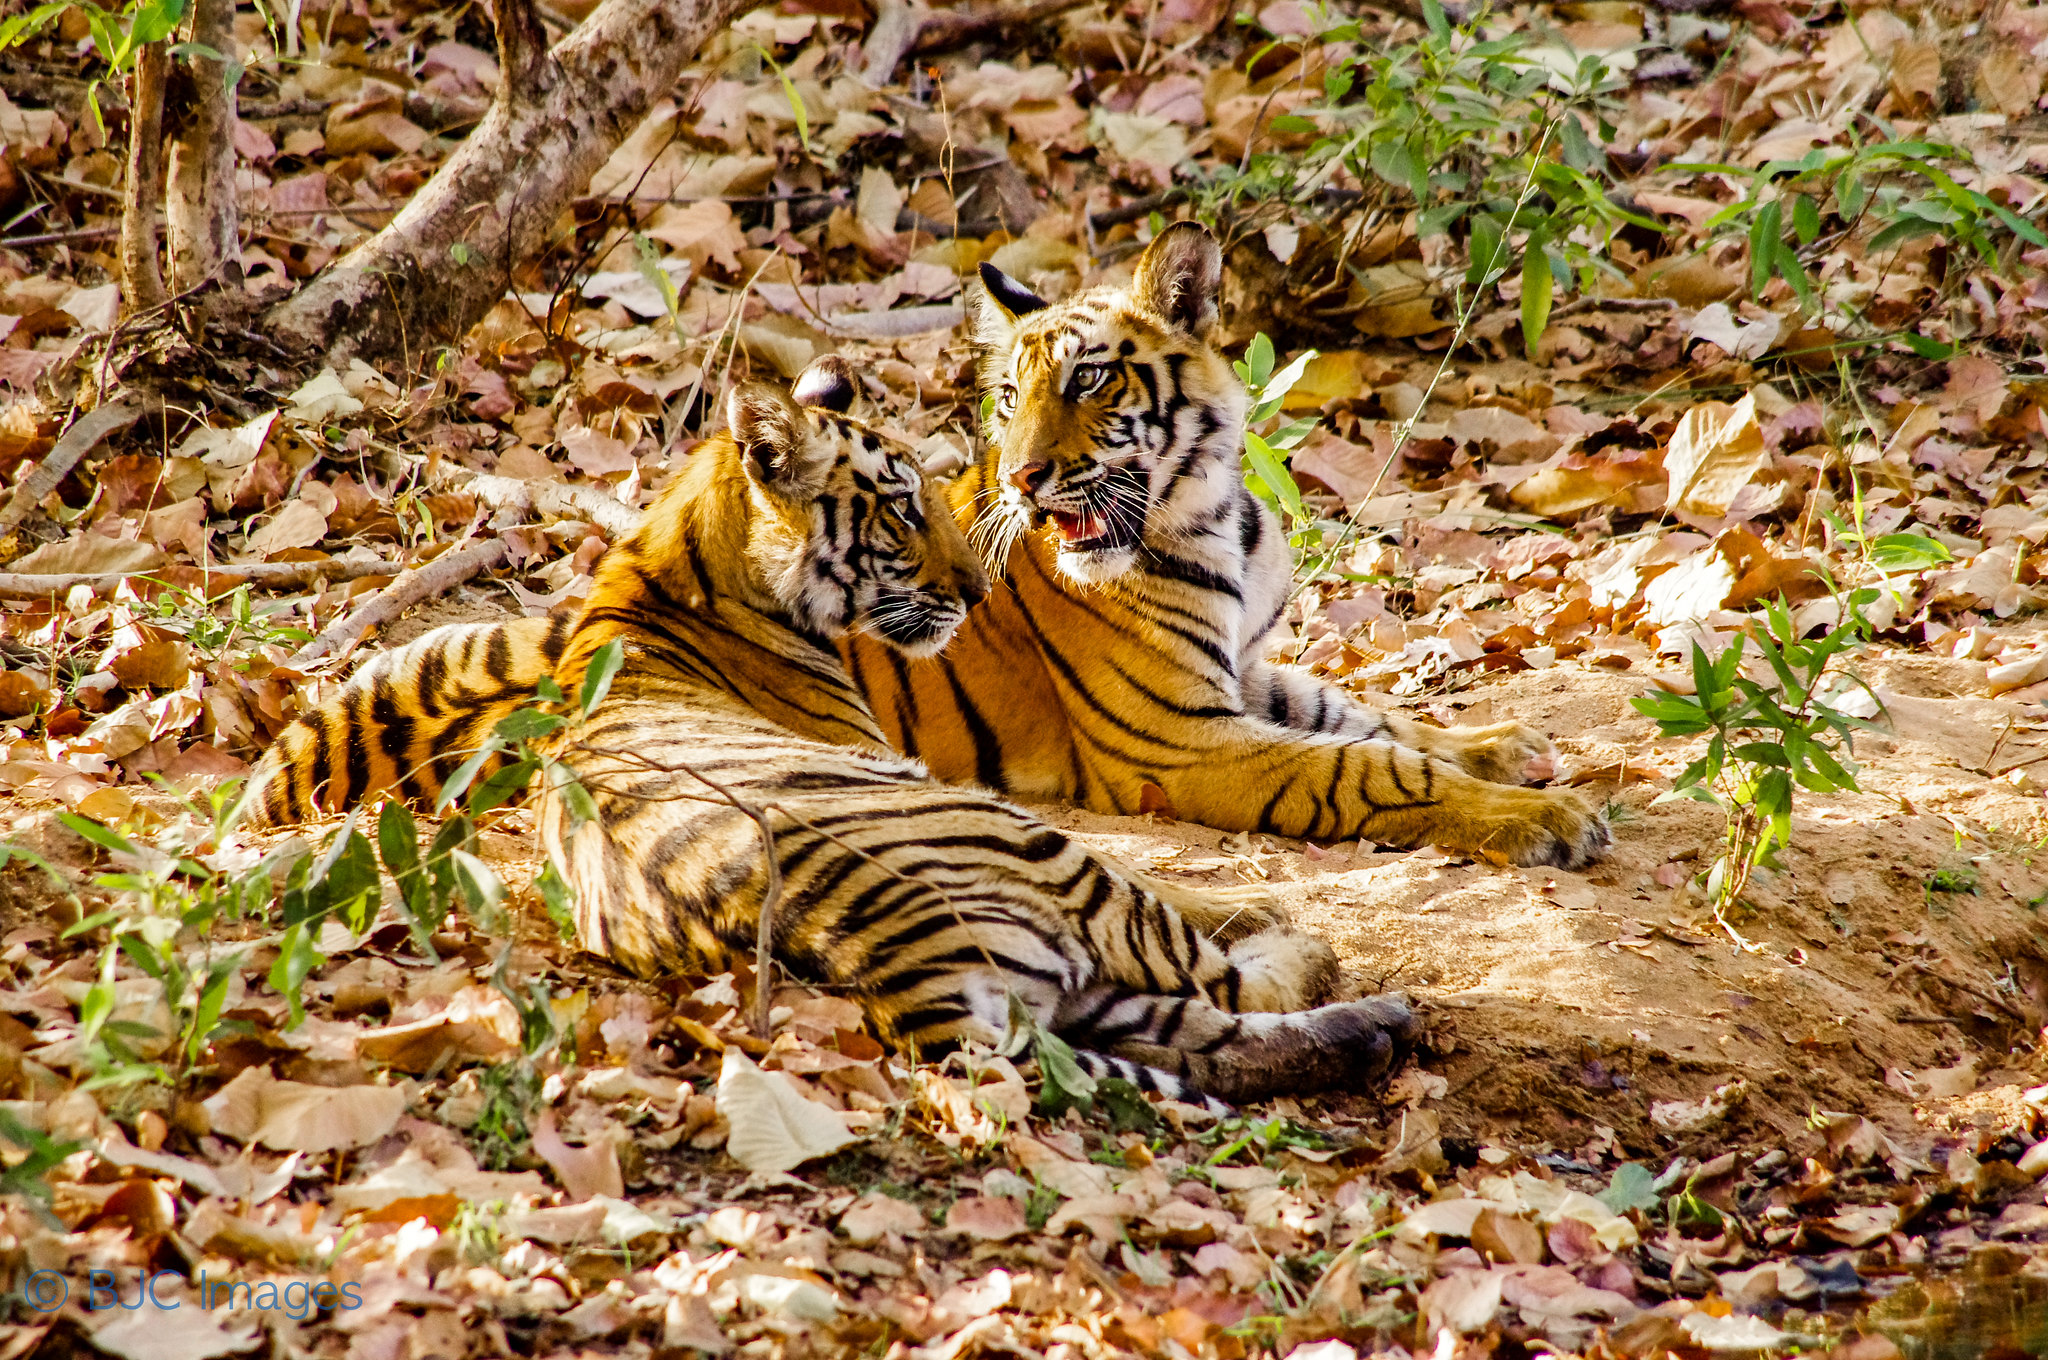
(1118,662)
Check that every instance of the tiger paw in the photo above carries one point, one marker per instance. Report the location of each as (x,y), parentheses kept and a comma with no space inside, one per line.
(1504,753)
(1280,970)
(1551,827)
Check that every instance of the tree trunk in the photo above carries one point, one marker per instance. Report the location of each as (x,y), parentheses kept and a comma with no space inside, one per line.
(142,280)
(201,230)
(447,257)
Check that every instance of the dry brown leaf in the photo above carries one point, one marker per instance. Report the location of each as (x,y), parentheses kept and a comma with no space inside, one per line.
(774,1126)
(85,553)
(987,1218)
(1715,452)
(1916,75)
(179,1330)
(21,694)
(583,1171)
(875,1215)
(293,1117)
(478,1025)
(161,665)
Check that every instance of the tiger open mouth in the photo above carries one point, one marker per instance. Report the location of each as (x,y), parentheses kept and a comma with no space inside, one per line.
(1088,530)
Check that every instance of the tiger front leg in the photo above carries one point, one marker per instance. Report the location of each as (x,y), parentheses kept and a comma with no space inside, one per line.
(1346,1046)
(1502,753)
(1327,789)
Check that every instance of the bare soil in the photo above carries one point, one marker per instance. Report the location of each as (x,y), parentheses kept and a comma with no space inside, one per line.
(1565,1006)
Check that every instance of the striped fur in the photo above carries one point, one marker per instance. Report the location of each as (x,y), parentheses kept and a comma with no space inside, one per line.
(406,718)
(1119,659)
(933,905)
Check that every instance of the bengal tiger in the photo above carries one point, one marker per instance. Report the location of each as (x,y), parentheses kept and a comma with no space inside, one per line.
(1118,663)
(940,908)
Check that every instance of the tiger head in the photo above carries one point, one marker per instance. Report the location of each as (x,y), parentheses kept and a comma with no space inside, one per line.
(1115,420)
(849,532)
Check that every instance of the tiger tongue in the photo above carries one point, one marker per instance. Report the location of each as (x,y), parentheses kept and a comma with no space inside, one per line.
(1078,528)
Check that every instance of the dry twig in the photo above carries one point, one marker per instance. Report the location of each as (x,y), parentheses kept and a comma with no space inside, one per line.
(15,585)
(85,435)
(448,570)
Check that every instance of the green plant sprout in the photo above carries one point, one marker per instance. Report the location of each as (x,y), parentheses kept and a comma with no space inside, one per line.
(1265,464)
(118,35)
(1479,136)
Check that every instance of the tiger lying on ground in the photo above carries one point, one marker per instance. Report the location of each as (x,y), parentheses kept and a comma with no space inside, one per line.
(934,905)
(1122,645)
(1122,649)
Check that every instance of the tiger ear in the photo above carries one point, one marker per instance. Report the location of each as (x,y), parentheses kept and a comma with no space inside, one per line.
(772,435)
(828,381)
(1000,301)
(1178,277)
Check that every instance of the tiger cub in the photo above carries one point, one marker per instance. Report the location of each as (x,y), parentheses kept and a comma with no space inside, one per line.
(936,907)
(1118,663)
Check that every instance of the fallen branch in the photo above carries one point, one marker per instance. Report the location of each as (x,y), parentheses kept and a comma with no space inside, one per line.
(901,29)
(58,238)
(445,572)
(1136,208)
(561,500)
(556,118)
(86,434)
(15,585)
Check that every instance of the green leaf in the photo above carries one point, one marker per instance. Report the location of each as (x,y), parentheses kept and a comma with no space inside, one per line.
(1276,388)
(502,787)
(1258,361)
(1536,291)
(1908,552)
(559,897)
(528,724)
(206,1019)
(1579,151)
(1272,470)
(103,837)
(154,21)
(1436,221)
(483,892)
(398,840)
(582,807)
(1928,348)
(1631,1187)
(25,1177)
(296,960)
(1062,1082)
(1764,234)
(1805,220)
(465,773)
(597,677)
(1489,253)
(797,111)
(1789,268)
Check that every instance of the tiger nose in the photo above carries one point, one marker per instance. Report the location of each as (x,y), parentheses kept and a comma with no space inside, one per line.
(1030,477)
(973,592)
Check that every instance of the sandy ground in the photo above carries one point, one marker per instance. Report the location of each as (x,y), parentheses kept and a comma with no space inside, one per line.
(1567,1004)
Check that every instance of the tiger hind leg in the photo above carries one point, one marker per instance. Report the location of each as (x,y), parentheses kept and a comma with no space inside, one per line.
(1347,1045)
(1223,914)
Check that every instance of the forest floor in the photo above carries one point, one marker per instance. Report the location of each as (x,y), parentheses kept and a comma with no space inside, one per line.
(1799,306)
